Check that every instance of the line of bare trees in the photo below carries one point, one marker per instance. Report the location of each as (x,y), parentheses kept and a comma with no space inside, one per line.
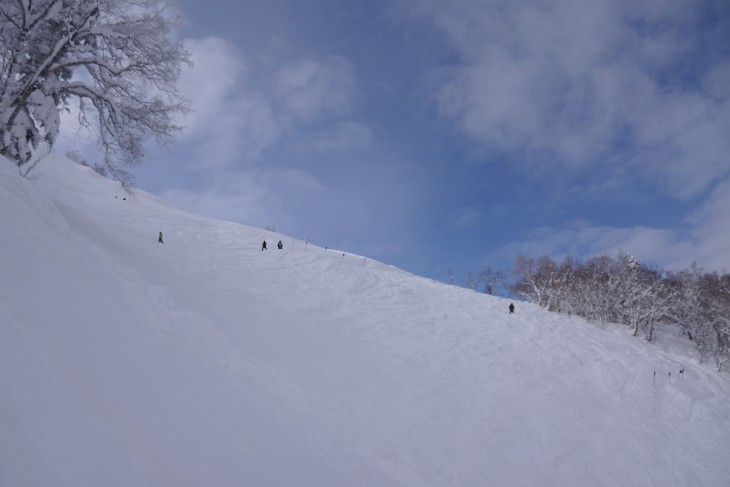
(622,290)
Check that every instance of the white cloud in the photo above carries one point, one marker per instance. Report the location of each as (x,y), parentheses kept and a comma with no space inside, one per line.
(238,116)
(231,121)
(616,95)
(707,240)
(712,229)
(258,197)
(465,218)
(287,181)
(682,140)
(716,79)
(311,90)
(339,137)
(254,120)
(241,108)
(239,197)
(217,69)
(244,204)
(657,246)
(73,136)
(578,84)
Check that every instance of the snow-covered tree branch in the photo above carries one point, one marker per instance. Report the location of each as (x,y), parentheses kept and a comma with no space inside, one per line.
(116,57)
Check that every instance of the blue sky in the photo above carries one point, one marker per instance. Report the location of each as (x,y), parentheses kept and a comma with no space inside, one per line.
(443,137)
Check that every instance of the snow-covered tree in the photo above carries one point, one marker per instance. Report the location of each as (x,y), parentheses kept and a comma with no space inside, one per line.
(696,308)
(687,308)
(527,284)
(630,292)
(716,294)
(115,57)
(625,291)
(544,282)
(595,292)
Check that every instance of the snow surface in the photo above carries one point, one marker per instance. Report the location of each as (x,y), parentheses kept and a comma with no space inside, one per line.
(204,361)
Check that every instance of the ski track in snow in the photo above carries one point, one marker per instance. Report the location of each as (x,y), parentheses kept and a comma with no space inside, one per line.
(206,361)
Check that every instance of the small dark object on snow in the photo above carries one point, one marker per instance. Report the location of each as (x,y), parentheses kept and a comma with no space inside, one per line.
(511,308)
(159,239)
(263,246)
(280,245)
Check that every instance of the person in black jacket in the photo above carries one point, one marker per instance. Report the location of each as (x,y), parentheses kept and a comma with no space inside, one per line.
(511,308)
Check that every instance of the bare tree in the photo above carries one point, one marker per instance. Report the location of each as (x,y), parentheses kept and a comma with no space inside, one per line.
(492,279)
(470,282)
(115,57)
(722,353)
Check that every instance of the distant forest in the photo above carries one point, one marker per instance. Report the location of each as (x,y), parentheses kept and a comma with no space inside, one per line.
(621,290)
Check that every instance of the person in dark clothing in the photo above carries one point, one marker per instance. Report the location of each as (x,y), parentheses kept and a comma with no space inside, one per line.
(280,245)
(263,246)
(511,308)
(159,239)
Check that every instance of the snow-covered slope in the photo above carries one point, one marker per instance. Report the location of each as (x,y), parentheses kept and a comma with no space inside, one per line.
(206,362)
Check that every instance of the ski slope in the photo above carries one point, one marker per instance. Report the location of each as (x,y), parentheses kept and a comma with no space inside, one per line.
(204,361)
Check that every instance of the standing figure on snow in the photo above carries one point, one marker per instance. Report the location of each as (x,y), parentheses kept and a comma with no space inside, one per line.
(280,245)
(511,308)
(263,246)
(159,239)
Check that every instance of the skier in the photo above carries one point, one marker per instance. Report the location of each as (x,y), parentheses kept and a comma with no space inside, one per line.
(511,308)
(280,245)
(263,246)
(159,239)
